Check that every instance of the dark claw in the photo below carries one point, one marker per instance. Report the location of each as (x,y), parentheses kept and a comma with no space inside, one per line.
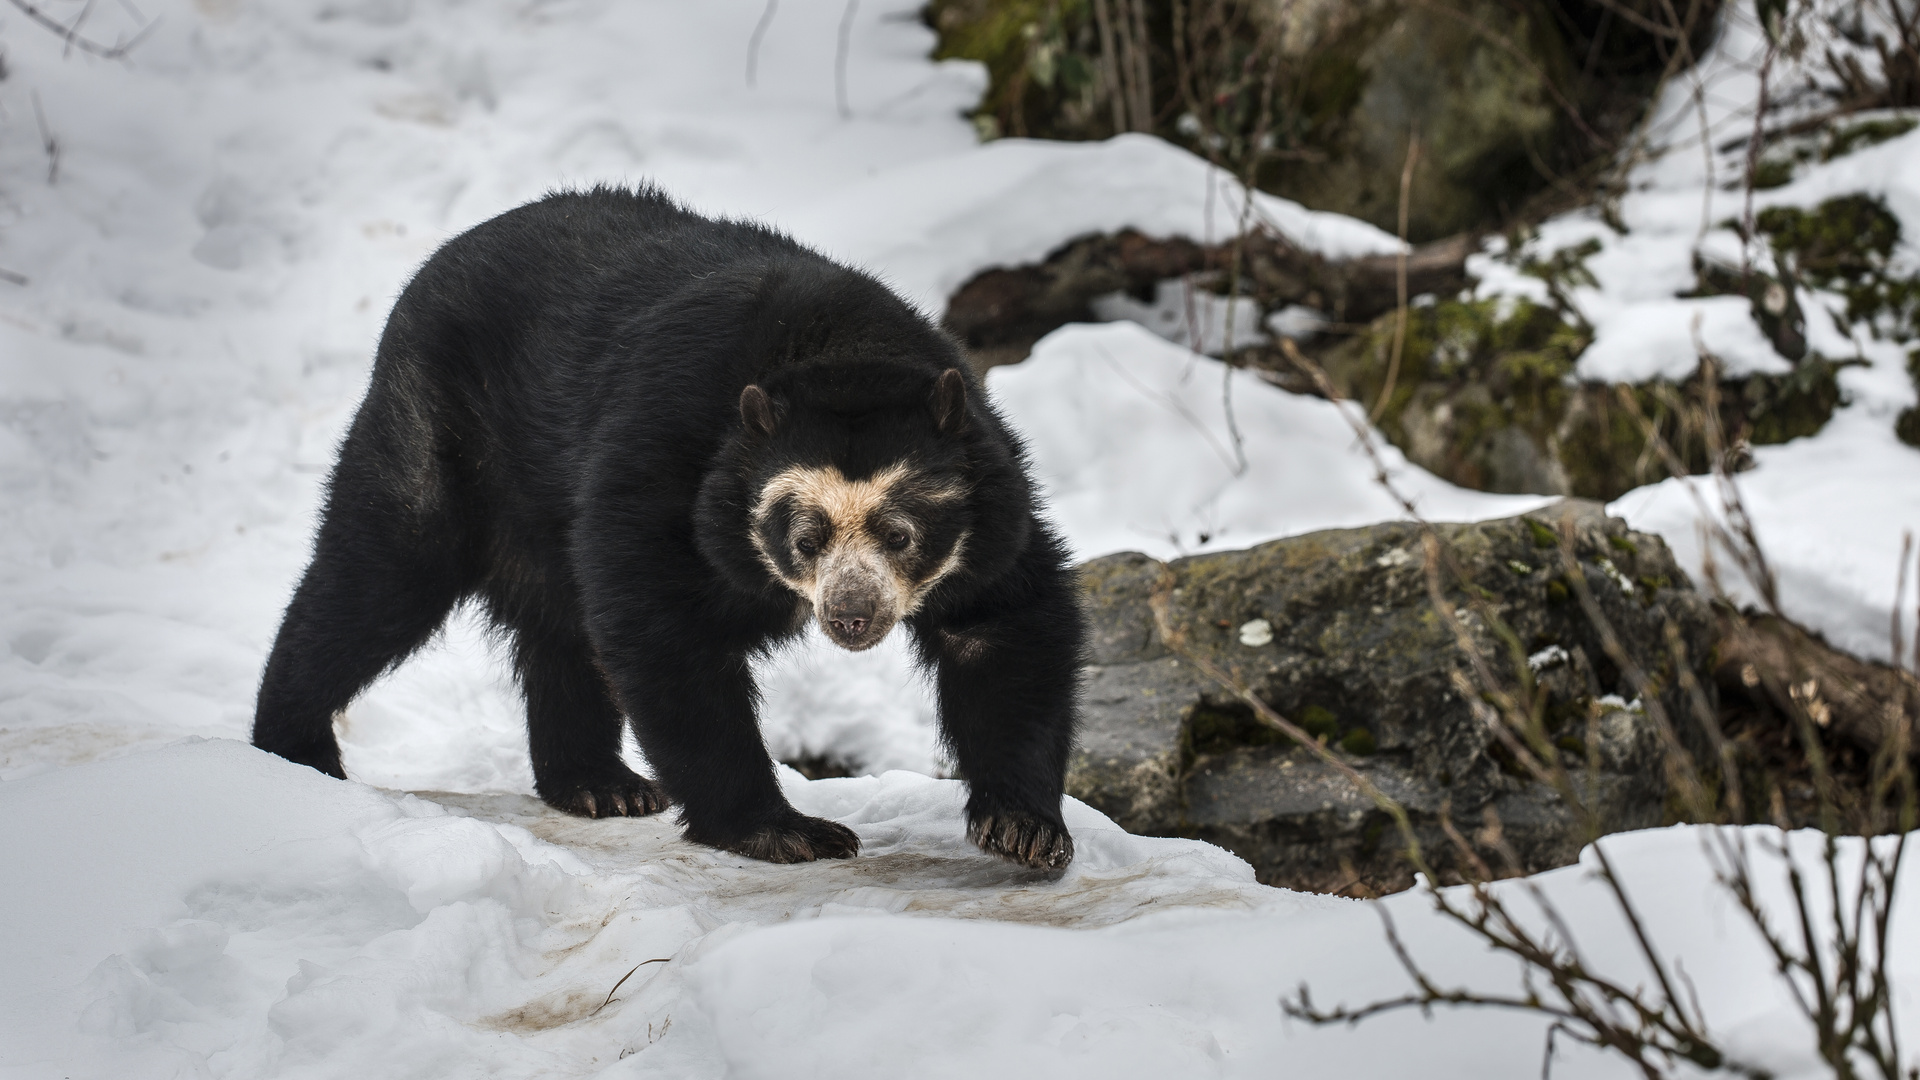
(628,795)
(797,838)
(1023,838)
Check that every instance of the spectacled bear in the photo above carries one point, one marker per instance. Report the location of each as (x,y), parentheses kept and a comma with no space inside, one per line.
(655,446)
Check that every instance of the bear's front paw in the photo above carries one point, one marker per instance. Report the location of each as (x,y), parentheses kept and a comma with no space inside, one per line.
(797,838)
(631,795)
(1023,837)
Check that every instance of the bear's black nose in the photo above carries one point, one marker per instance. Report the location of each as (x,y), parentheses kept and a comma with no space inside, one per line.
(850,617)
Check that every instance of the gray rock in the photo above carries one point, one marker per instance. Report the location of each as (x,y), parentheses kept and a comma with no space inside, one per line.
(1336,631)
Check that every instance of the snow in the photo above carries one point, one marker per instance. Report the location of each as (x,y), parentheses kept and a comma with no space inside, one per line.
(1088,392)
(207,270)
(1829,509)
(252,918)
(932,225)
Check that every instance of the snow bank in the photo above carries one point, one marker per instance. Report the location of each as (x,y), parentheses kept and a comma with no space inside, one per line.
(268,921)
(929,226)
(1829,509)
(1130,440)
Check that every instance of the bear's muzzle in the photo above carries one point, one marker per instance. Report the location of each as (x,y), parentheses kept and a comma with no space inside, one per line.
(855,603)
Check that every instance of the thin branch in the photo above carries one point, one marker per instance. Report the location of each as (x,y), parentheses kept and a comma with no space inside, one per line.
(753,41)
(71,33)
(1112,81)
(1400,279)
(47,141)
(623,981)
(840,60)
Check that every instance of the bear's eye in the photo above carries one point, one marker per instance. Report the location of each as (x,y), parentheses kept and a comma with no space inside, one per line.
(898,540)
(807,545)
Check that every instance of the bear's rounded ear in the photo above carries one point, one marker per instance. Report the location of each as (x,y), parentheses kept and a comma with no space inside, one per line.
(756,411)
(949,401)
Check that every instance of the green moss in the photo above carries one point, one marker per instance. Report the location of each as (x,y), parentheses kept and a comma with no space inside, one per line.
(1864,134)
(1783,407)
(1621,543)
(1485,395)
(1216,731)
(1040,55)
(1845,245)
(1557,592)
(1907,427)
(1772,173)
(1841,237)
(1564,269)
(1543,537)
(1488,367)
(1318,722)
(1359,742)
(1370,837)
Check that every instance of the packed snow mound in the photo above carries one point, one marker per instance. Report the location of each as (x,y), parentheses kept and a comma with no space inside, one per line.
(929,226)
(233,915)
(1133,440)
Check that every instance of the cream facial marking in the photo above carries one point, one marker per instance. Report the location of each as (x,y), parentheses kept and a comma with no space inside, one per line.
(853,548)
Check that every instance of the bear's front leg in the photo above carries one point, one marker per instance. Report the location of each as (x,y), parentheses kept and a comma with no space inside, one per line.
(679,667)
(1007,673)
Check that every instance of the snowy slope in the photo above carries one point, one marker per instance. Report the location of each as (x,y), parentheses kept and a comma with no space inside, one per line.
(269,922)
(1829,509)
(232,211)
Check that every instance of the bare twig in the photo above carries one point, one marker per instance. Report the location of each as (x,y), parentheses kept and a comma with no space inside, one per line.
(48,142)
(623,981)
(1755,146)
(753,41)
(1400,279)
(1142,67)
(1113,79)
(73,38)
(840,60)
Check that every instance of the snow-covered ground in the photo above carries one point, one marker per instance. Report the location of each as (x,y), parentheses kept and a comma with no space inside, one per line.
(229,914)
(209,252)
(1830,509)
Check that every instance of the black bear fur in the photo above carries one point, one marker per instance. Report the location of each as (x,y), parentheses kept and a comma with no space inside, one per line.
(572,413)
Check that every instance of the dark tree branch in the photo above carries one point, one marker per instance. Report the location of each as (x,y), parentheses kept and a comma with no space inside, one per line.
(73,38)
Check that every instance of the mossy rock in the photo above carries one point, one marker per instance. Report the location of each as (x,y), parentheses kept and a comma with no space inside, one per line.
(1845,244)
(1484,397)
(1360,660)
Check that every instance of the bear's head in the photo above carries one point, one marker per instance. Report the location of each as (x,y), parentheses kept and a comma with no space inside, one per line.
(863,488)
(861,513)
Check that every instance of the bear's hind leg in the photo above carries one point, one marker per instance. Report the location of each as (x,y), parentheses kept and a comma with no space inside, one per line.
(364,605)
(573,732)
